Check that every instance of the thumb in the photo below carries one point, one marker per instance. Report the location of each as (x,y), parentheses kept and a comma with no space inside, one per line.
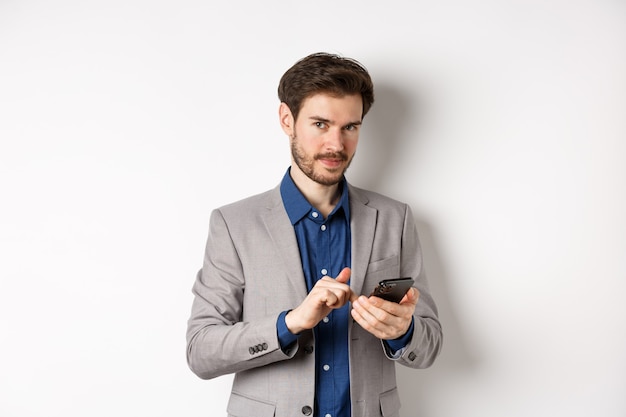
(344,275)
(412,296)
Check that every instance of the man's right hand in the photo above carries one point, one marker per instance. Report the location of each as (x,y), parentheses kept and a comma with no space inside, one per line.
(326,295)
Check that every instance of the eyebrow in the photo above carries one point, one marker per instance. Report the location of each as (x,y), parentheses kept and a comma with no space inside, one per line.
(323,119)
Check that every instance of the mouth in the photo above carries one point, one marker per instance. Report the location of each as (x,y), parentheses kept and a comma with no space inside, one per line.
(331,163)
(331,160)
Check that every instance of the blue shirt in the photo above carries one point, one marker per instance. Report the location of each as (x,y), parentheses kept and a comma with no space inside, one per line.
(325,248)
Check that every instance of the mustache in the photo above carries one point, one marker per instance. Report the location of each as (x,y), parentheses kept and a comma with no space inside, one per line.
(332,155)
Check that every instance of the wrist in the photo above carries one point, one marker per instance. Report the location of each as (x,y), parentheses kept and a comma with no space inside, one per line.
(291,323)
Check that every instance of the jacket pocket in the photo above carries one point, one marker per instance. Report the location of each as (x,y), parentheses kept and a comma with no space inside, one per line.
(392,262)
(241,406)
(390,403)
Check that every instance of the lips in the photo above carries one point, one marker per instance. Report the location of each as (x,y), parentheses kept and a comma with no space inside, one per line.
(331,163)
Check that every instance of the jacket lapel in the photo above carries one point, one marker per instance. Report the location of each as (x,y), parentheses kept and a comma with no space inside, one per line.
(362,228)
(283,237)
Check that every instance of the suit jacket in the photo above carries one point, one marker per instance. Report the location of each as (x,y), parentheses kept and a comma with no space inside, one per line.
(252,272)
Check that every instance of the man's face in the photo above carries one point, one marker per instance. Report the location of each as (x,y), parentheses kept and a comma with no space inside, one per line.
(324,137)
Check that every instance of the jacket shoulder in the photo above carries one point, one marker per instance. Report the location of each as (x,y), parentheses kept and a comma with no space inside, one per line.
(375,199)
(256,203)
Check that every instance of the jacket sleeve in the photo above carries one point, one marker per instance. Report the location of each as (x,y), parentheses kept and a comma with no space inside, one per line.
(219,341)
(426,343)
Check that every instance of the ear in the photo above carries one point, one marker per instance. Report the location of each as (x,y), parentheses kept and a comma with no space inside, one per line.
(286,119)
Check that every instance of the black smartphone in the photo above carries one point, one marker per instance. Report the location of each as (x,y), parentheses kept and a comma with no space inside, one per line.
(393,289)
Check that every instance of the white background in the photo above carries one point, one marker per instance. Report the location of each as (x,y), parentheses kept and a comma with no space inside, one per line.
(123,123)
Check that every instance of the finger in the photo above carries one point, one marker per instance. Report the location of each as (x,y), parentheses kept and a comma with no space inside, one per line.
(366,320)
(368,310)
(329,299)
(338,286)
(344,275)
(389,313)
(335,297)
(377,321)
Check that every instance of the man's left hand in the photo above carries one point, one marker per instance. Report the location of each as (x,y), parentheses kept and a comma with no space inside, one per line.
(385,319)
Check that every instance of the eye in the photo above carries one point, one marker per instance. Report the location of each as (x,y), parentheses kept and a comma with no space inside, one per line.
(350,127)
(321,125)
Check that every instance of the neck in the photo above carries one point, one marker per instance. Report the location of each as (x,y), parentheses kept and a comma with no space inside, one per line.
(323,197)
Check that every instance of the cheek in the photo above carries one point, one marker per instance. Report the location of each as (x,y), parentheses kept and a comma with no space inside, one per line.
(309,139)
(350,145)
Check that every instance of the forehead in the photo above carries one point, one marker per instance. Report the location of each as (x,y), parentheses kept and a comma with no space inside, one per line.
(333,107)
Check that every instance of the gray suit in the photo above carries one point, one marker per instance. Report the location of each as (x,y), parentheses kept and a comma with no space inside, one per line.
(252,272)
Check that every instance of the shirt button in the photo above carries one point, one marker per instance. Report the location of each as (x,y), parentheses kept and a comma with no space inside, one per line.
(326,367)
(306,410)
(328,415)
(324,271)
(325,319)
(323,227)
(315,214)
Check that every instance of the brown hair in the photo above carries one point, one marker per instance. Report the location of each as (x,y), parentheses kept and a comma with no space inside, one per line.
(325,73)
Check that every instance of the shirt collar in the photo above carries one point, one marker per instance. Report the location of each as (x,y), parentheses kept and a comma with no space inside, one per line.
(298,207)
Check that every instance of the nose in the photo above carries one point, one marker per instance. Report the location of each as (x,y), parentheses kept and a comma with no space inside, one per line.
(334,140)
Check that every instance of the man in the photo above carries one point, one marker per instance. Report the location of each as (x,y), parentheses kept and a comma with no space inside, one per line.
(282,297)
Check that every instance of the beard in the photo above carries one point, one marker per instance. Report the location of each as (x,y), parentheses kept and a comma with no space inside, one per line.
(323,176)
